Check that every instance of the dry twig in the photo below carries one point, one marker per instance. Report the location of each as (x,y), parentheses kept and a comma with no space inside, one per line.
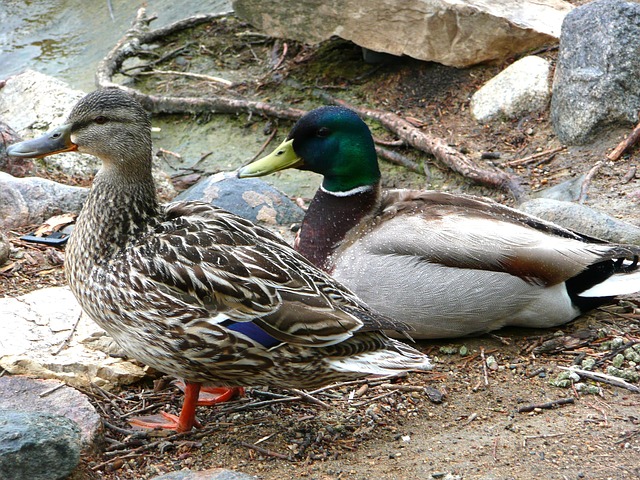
(207,78)
(531,437)
(535,156)
(547,405)
(603,377)
(627,143)
(484,366)
(266,452)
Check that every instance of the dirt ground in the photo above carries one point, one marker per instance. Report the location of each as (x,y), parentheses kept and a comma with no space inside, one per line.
(462,420)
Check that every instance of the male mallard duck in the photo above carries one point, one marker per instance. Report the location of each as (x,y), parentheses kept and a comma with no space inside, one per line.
(447,265)
(197,292)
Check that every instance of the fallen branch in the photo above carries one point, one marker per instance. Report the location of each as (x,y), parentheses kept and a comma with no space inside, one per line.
(548,405)
(624,145)
(603,377)
(138,35)
(398,159)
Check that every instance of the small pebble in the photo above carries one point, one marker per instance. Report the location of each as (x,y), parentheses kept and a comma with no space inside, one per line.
(631,355)
(618,360)
(492,364)
(617,342)
(588,363)
(449,349)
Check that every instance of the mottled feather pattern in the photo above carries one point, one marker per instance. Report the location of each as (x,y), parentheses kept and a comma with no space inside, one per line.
(197,266)
(199,293)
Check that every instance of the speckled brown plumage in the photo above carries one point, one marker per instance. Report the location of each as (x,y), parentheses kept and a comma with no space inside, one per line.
(195,291)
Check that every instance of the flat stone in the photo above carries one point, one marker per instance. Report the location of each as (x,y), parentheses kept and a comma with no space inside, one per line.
(250,198)
(211,474)
(450,32)
(32,200)
(597,77)
(583,219)
(39,337)
(520,89)
(37,446)
(24,394)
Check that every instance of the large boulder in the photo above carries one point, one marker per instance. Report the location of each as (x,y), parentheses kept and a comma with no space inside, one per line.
(597,78)
(583,219)
(450,32)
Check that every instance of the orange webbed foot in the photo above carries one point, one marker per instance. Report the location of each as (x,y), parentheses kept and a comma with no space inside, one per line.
(211,395)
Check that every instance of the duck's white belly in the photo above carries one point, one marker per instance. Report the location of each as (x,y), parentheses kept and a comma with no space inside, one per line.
(441,302)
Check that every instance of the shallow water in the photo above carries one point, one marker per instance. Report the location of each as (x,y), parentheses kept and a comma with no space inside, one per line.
(67,38)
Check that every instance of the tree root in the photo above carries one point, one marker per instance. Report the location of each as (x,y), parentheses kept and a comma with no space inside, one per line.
(139,34)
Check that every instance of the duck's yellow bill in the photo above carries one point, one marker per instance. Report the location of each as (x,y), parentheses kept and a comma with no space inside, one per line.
(281,158)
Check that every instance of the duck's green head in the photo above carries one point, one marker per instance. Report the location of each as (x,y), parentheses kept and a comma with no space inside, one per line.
(331,141)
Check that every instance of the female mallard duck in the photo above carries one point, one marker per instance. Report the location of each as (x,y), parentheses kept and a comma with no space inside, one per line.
(199,293)
(447,265)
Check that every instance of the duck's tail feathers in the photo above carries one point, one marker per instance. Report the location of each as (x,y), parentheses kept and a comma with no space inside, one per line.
(616,284)
(396,359)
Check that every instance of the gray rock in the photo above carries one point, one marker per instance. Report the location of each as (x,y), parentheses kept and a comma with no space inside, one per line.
(37,446)
(568,191)
(520,89)
(31,200)
(583,219)
(26,394)
(250,198)
(4,249)
(18,167)
(43,334)
(597,78)
(211,474)
(33,103)
(456,33)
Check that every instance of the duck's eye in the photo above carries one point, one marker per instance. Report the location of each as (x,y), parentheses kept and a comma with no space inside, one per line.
(101,120)
(323,132)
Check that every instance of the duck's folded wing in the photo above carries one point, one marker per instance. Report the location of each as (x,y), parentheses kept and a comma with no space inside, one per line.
(465,232)
(225,265)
